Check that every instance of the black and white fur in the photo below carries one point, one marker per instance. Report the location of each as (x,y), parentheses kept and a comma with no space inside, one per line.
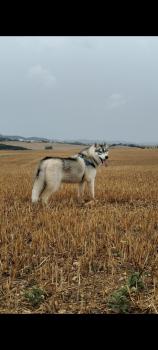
(81,168)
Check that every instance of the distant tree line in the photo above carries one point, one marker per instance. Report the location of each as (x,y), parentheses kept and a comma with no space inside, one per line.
(14,148)
(126,145)
(132,145)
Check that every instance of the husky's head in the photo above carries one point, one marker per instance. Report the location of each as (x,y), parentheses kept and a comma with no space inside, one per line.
(99,152)
(102,152)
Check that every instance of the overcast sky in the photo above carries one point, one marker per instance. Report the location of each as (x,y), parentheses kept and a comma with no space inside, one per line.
(80,87)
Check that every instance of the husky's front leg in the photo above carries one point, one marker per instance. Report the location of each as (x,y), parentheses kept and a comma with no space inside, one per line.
(80,191)
(91,188)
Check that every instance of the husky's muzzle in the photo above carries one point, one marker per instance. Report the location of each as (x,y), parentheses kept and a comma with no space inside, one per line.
(104,161)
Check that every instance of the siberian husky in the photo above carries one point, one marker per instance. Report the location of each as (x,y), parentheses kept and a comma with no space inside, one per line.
(80,168)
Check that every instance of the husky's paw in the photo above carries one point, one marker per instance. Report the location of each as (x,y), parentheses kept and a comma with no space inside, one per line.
(91,202)
(81,203)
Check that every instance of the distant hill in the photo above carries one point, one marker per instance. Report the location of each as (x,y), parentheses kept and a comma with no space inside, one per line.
(22,138)
(126,145)
(111,143)
(15,148)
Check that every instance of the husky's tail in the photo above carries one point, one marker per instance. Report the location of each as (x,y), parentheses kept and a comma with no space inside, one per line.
(39,185)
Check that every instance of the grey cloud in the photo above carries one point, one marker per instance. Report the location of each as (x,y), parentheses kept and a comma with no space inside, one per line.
(115,100)
(42,76)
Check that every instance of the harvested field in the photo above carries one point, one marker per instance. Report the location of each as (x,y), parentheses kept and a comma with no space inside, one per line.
(68,258)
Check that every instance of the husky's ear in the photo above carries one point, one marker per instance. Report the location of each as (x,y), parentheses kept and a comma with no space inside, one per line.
(105,145)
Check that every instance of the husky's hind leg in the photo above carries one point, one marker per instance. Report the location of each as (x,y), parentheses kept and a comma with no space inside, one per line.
(49,189)
(46,194)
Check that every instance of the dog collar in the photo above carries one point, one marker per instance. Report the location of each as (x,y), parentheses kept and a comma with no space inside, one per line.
(87,162)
